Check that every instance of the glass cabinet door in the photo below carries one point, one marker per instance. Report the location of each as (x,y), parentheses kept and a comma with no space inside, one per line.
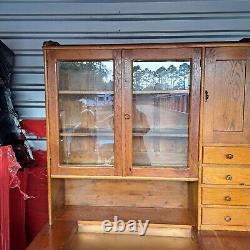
(86,110)
(123,111)
(83,92)
(160,113)
(163,85)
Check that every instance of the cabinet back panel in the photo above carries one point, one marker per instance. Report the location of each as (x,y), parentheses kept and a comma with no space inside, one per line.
(130,193)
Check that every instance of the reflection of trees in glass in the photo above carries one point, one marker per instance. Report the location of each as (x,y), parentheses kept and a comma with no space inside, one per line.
(162,78)
(96,71)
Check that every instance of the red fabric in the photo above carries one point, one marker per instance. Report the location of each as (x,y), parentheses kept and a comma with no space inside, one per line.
(17,215)
(27,217)
(4,199)
(37,185)
(36,127)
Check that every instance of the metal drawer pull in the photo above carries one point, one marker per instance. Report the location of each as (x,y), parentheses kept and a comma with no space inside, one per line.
(229,177)
(127,116)
(227,218)
(229,156)
(227,198)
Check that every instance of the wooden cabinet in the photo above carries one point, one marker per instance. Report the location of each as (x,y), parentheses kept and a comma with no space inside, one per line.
(225,166)
(123,112)
(128,132)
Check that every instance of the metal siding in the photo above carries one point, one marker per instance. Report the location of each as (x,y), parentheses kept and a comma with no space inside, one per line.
(24,25)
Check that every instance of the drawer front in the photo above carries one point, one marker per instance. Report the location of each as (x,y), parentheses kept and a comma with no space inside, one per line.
(226,155)
(226,216)
(226,196)
(226,175)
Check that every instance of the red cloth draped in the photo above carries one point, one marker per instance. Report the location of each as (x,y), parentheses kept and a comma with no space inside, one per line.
(21,218)
(4,198)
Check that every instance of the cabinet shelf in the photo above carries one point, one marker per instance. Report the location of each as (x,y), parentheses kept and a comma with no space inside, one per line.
(170,133)
(110,92)
(171,216)
(159,132)
(151,92)
(108,134)
(87,92)
(168,165)
(80,132)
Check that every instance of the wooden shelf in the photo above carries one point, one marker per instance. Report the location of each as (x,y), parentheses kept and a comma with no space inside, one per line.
(64,233)
(57,236)
(110,92)
(151,92)
(171,133)
(83,92)
(80,132)
(108,134)
(172,216)
(169,165)
(160,132)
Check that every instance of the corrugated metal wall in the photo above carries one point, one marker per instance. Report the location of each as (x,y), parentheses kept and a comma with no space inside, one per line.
(24,25)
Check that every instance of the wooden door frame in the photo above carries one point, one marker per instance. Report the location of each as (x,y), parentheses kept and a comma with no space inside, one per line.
(52,110)
(192,54)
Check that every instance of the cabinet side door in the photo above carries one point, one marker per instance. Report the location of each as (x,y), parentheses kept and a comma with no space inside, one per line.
(227,96)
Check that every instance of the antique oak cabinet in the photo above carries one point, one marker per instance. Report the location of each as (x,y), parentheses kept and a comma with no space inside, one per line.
(158,132)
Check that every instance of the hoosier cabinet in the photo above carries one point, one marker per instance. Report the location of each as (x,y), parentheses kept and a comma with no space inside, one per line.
(157,132)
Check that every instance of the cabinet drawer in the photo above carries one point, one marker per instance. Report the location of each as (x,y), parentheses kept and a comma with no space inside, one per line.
(226,175)
(226,196)
(226,216)
(226,155)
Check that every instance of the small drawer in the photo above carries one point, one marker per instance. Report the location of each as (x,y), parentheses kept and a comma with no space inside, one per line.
(226,216)
(226,155)
(226,175)
(226,196)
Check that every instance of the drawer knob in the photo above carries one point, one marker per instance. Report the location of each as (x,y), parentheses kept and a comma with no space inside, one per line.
(229,177)
(227,198)
(229,156)
(127,116)
(228,218)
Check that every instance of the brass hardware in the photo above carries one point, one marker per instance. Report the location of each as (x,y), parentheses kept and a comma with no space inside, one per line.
(229,156)
(227,218)
(206,95)
(127,116)
(229,177)
(227,198)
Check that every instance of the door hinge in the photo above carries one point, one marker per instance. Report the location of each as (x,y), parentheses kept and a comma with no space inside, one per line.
(206,95)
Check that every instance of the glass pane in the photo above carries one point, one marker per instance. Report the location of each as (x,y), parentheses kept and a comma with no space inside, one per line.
(89,75)
(160,113)
(86,105)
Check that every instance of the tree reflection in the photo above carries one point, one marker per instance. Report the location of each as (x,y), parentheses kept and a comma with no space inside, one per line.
(170,78)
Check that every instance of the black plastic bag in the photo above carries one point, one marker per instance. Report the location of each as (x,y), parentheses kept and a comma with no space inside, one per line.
(10,130)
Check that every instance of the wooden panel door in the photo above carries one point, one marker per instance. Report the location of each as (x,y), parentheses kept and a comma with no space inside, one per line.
(227,96)
(161,99)
(84,111)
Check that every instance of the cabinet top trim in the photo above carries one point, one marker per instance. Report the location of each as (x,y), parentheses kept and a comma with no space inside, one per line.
(50,45)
